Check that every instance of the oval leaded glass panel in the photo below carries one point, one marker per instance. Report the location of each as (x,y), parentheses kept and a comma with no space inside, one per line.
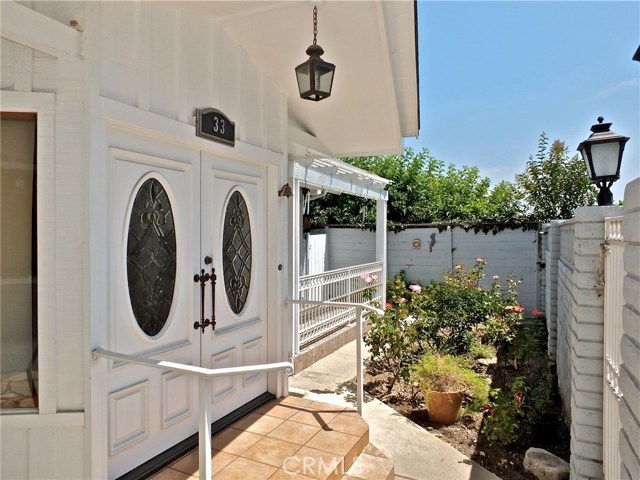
(236,252)
(151,257)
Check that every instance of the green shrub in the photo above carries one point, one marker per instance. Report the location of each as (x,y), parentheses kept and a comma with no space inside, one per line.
(459,310)
(503,416)
(447,373)
(527,400)
(392,338)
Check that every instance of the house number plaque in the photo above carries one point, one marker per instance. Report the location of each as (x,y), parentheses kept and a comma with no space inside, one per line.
(214,125)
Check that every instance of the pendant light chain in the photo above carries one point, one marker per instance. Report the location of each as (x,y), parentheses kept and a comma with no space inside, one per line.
(315,25)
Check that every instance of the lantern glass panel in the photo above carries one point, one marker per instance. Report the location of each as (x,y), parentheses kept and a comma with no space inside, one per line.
(605,159)
(324,78)
(304,78)
(585,159)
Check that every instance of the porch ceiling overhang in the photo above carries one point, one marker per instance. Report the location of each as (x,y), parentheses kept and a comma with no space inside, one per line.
(374,101)
(335,176)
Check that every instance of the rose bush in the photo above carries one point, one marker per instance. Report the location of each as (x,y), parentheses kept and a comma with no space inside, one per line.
(447,317)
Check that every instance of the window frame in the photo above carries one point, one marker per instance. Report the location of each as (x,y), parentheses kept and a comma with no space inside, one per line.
(43,105)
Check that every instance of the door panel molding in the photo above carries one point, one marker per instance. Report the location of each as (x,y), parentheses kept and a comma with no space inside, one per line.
(125,407)
(238,326)
(151,352)
(176,386)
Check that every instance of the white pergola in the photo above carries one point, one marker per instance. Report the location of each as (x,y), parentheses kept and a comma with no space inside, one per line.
(334,176)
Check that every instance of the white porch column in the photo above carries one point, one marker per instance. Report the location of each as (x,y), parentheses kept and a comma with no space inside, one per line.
(294,261)
(381,243)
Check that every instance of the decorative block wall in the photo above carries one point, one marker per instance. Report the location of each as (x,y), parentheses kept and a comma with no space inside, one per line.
(576,310)
(551,257)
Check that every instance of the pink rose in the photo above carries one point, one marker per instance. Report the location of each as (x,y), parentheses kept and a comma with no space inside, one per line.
(496,277)
(415,288)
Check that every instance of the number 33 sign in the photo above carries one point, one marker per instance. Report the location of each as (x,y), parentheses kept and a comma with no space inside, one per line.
(215,125)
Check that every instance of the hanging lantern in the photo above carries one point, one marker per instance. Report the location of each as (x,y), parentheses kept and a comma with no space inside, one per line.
(315,76)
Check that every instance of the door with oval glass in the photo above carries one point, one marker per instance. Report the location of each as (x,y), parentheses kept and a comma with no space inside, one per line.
(166,217)
(233,237)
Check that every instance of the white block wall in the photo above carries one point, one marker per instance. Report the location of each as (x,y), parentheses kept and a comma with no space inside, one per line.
(551,258)
(580,331)
(630,345)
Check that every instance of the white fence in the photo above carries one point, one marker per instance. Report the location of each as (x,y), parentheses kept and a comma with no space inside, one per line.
(356,284)
(613,249)
(424,253)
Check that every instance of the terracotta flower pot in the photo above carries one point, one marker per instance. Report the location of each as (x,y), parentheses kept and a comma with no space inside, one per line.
(444,407)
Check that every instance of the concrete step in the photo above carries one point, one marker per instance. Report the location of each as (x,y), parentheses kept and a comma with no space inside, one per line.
(372,464)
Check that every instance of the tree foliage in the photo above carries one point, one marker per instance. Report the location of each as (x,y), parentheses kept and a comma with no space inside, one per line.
(423,190)
(553,184)
(426,190)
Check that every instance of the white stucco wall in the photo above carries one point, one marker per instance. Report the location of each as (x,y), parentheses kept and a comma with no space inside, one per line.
(630,345)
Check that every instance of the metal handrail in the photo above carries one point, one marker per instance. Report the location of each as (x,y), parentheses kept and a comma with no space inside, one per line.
(205,376)
(359,307)
(191,369)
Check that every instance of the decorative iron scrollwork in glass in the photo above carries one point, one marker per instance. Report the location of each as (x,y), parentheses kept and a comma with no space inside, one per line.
(151,257)
(236,252)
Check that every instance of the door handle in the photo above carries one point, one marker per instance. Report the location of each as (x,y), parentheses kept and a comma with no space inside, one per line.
(203,278)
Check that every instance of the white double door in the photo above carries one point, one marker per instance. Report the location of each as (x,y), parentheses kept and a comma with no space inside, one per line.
(212,212)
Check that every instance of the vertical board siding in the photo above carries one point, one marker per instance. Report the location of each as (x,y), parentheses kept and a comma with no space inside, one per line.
(117,66)
(164,55)
(38,451)
(7,59)
(171,62)
(151,57)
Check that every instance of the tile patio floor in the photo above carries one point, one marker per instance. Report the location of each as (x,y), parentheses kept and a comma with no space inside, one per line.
(288,438)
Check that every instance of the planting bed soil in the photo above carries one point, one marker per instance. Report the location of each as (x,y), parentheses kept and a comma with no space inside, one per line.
(465,435)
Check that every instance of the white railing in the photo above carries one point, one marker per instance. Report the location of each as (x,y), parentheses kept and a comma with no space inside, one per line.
(205,376)
(613,248)
(360,284)
(358,308)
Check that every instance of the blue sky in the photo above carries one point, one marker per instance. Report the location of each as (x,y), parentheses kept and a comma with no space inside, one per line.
(494,75)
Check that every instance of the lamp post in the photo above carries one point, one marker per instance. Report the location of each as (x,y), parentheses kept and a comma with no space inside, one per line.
(602,154)
(315,76)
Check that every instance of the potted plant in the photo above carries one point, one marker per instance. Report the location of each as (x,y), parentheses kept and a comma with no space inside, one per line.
(445,381)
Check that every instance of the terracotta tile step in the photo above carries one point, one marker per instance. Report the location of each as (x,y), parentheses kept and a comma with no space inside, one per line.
(291,438)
